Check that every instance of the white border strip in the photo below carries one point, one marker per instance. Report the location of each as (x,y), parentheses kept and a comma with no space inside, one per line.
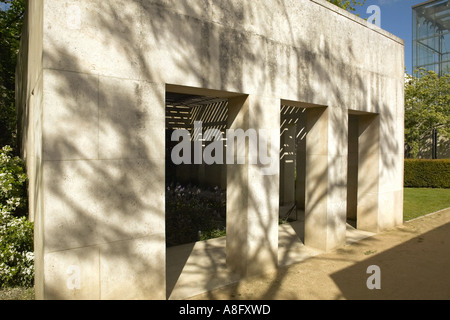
(429,214)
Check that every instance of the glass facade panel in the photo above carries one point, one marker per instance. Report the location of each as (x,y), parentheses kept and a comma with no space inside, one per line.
(431,36)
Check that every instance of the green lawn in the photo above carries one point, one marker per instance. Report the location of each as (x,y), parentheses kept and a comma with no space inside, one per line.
(17,294)
(419,202)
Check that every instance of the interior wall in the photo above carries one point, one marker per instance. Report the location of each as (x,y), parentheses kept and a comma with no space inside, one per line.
(352,173)
(363,171)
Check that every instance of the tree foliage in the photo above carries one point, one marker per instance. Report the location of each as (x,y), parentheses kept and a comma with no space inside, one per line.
(427,109)
(11,21)
(349,5)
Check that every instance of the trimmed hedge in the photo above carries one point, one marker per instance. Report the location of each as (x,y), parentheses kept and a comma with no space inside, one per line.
(421,173)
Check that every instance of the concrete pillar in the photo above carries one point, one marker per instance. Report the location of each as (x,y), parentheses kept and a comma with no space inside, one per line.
(316,178)
(368,172)
(252,197)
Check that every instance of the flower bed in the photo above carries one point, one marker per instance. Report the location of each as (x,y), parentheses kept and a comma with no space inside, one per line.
(194,213)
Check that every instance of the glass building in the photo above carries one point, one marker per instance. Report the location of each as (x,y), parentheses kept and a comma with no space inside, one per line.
(431,36)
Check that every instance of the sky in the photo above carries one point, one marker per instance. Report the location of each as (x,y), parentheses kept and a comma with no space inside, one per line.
(396,18)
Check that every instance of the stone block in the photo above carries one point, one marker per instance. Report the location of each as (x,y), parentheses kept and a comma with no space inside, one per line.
(391,212)
(87,202)
(102,38)
(70,116)
(134,269)
(72,274)
(130,113)
(71,209)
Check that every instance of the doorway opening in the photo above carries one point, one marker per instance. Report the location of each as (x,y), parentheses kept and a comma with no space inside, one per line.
(196,190)
(302,177)
(292,166)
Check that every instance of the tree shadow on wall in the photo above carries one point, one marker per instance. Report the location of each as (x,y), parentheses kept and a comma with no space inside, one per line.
(103,112)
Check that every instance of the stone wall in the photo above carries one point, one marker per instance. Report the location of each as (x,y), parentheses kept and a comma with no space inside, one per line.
(93,79)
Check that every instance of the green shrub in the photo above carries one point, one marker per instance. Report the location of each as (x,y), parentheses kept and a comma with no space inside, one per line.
(16,251)
(421,173)
(16,232)
(194,213)
(13,180)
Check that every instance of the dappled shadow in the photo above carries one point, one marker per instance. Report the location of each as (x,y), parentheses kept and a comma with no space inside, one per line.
(413,260)
(414,270)
(104,124)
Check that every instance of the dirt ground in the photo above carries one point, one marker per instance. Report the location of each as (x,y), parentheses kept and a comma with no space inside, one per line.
(414,262)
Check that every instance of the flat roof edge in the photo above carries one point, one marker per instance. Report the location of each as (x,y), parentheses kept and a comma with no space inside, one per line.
(358,20)
(422,4)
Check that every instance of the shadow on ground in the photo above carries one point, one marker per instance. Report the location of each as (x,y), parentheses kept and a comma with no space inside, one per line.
(414,260)
(415,269)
